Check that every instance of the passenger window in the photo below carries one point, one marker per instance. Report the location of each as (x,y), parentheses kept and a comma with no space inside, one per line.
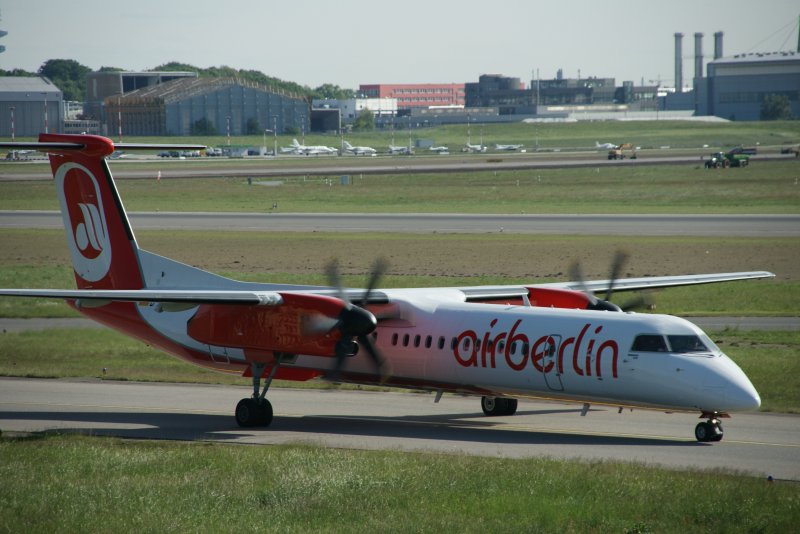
(394,338)
(416,340)
(649,343)
(441,342)
(428,341)
(405,340)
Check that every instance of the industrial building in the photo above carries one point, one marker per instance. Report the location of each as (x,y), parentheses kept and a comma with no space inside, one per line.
(736,86)
(223,105)
(417,95)
(29,106)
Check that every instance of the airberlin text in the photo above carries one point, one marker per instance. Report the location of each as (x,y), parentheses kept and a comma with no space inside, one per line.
(586,350)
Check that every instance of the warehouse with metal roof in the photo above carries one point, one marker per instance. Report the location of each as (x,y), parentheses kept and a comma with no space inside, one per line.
(206,105)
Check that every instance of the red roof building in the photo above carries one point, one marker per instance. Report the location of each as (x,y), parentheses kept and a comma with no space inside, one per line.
(417,95)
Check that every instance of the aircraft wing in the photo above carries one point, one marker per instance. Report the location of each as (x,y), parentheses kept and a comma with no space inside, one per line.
(262,298)
(269,297)
(477,293)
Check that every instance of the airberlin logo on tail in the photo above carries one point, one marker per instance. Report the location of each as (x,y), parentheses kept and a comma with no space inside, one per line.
(84,220)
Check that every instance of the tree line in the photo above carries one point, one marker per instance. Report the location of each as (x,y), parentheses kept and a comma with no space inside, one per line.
(70,76)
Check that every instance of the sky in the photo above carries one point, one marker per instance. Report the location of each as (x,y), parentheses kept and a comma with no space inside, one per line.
(353,42)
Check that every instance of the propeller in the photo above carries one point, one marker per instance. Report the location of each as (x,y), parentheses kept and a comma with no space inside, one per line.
(617,264)
(356,323)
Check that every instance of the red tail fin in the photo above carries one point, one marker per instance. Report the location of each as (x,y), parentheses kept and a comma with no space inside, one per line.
(100,239)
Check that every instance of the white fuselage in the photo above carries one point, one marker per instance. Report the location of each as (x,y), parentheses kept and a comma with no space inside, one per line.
(580,355)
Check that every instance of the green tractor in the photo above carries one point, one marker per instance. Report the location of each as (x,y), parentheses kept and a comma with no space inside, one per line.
(727,159)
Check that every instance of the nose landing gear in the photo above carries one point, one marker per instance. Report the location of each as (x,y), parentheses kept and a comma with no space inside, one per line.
(710,430)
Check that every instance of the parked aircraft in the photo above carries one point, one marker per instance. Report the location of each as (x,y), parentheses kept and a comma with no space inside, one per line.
(605,146)
(400,150)
(553,340)
(440,149)
(510,148)
(473,148)
(359,150)
(307,150)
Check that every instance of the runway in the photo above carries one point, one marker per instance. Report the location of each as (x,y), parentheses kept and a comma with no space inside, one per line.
(602,224)
(756,444)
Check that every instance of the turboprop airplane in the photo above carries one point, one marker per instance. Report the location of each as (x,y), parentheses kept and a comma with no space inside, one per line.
(359,150)
(499,343)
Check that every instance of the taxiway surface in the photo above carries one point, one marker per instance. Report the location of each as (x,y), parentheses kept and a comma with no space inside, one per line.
(758,444)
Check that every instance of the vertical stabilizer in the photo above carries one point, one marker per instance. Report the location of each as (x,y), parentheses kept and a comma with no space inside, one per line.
(99,237)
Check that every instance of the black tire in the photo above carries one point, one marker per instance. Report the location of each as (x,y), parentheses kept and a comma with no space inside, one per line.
(511,408)
(702,432)
(496,406)
(250,413)
(705,432)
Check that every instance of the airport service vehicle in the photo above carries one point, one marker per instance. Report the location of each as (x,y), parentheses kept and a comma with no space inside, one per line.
(621,151)
(727,159)
(498,343)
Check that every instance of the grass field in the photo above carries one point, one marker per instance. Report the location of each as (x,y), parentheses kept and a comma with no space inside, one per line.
(78,484)
(763,188)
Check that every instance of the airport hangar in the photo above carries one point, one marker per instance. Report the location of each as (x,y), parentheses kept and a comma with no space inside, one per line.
(225,105)
(736,86)
(30,105)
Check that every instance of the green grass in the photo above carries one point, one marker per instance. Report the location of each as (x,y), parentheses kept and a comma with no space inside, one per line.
(760,188)
(80,484)
(770,359)
(772,362)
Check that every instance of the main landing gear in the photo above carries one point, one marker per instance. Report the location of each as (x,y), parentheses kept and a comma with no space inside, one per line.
(494,406)
(257,410)
(710,430)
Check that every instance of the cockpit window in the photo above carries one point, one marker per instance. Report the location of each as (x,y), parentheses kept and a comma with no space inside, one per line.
(683,344)
(649,343)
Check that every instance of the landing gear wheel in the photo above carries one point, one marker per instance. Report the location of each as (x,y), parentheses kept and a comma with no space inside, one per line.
(253,412)
(495,406)
(708,431)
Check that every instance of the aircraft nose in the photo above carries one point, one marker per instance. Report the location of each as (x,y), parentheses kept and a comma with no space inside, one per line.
(742,396)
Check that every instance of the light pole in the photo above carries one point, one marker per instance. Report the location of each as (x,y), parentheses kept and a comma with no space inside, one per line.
(119,118)
(46,129)
(228,127)
(12,109)
(274,136)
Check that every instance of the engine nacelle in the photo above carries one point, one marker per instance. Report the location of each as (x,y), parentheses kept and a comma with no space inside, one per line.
(283,328)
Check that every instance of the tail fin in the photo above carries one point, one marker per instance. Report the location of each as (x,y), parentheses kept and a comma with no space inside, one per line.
(100,240)
(295,143)
(347,145)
